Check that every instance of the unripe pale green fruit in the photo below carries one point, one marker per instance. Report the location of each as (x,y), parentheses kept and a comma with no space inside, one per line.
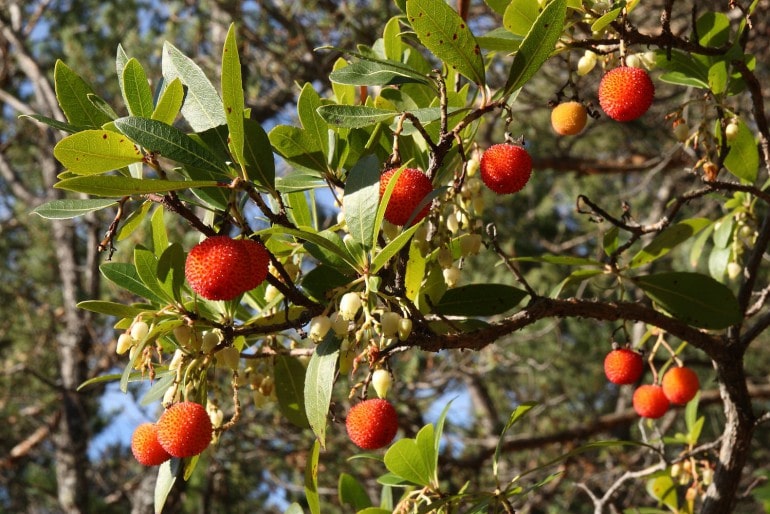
(139,330)
(319,327)
(389,323)
(350,303)
(381,382)
(125,342)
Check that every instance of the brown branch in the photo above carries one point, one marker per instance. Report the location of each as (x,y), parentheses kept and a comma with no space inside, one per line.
(542,308)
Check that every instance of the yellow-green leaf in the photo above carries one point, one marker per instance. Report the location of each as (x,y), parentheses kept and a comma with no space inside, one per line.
(92,152)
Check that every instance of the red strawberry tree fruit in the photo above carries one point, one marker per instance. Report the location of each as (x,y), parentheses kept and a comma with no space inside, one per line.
(238,291)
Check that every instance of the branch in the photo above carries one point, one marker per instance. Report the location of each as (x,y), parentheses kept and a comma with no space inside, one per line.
(541,308)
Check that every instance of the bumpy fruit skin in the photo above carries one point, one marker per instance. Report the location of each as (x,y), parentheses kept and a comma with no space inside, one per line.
(184,429)
(145,446)
(569,118)
(221,268)
(412,187)
(626,93)
(623,366)
(680,385)
(506,168)
(372,424)
(650,401)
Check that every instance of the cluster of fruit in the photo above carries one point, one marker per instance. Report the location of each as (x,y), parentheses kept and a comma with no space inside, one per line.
(183,430)
(223,268)
(679,385)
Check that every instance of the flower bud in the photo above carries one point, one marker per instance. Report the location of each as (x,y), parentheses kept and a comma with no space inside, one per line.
(125,342)
(319,326)
(339,324)
(182,335)
(731,130)
(451,276)
(444,257)
(633,61)
(229,357)
(271,293)
(176,360)
(350,303)
(389,322)
(734,269)
(586,63)
(452,224)
(404,328)
(209,341)
(215,414)
(381,382)
(470,245)
(139,330)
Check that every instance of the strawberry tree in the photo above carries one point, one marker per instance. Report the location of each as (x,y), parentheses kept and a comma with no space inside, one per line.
(342,298)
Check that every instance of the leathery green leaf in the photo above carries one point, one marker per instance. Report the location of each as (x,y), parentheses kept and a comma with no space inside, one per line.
(693,298)
(447,35)
(319,381)
(232,93)
(92,152)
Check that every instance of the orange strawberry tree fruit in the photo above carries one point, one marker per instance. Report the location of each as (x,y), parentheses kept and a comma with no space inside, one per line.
(387,276)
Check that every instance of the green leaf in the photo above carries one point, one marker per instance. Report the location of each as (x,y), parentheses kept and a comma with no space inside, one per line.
(743,158)
(258,155)
(232,93)
(170,142)
(136,89)
(290,388)
(202,108)
(171,269)
(125,276)
(682,69)
(563,260)
(169,103)
(500,40)
(125,186)
(319,239)
(294,508)
(118,310)
(322,279)
(158,389)
(393,46)
(159,233)
(72,93)
(520,16)
(352,493)
(713,29)
(444,33)
(376,73)
(663,489)
(718,77)
(167,473)
(298,181)
(314,125)
(56,124)
(92,152)
(319,381)
(354,116)
(576,277)
(392,248)
(479,300)
(311,480)
(299,209)
(71,208)
(147,269)
(537,45)
(515,416)
(361,200)
(693,298)
(298,147)
(406,459)
(668,240)
(605,20)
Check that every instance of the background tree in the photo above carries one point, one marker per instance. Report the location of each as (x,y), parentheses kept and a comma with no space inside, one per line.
(634,177)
